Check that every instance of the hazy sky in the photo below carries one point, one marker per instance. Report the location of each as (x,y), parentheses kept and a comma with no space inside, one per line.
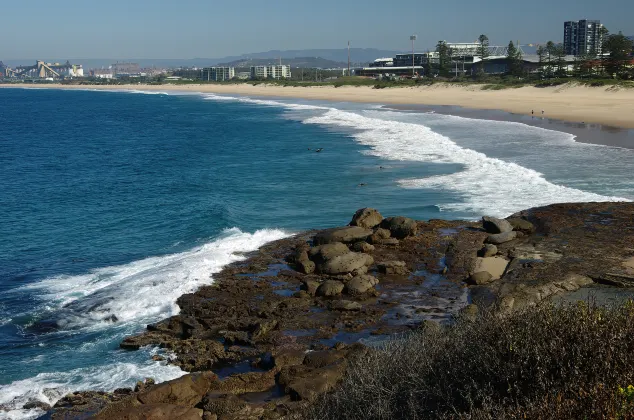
(209,28)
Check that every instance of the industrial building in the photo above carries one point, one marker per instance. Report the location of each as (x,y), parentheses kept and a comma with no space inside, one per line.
(276,71)
(43,70)
(218,74)
(583,37)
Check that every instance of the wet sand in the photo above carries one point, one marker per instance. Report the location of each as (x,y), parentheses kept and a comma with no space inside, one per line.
(599,134)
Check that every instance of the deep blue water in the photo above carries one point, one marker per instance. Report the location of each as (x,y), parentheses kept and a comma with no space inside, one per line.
(116,203)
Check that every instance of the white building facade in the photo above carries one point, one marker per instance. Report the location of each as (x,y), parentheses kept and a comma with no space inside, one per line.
(218,74)
(278,71)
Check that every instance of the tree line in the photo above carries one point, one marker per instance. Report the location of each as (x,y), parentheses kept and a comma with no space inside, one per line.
(614,60)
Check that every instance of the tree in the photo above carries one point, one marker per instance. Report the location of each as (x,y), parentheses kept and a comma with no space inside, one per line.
(514,60)
(444,58)
(550,53)
(541,55)
(619,49)
(560,60)
(483,50)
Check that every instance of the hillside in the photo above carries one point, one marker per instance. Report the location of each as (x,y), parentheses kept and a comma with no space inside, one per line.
(303,62)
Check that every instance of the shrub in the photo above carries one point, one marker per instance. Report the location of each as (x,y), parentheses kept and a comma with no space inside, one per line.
(546,362)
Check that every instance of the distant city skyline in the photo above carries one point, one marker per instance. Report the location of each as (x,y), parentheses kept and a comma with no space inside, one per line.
(200,29)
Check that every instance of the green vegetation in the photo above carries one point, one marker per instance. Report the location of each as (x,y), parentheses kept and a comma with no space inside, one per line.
(568,362)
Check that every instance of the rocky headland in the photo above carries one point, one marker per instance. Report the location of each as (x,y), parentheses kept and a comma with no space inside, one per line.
(274,332)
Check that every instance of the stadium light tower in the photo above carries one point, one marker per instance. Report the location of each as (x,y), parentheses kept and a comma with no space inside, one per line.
(412,38)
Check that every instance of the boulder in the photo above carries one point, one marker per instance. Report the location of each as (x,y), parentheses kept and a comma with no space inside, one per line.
(400,227)
(380,235)
(489,250)
(479,278)
(493,225)
(393,267)
(347,234)
(366,218)
(306,266)
(390,242)
(346,263)
(310,286)
(330,288)
(360,285)
(500,238)
(493,265)
(288,357)
(323,253)
(521,225)
(363,247)
(185,391)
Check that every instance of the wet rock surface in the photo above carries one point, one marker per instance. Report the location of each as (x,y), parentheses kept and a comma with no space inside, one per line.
(271,334)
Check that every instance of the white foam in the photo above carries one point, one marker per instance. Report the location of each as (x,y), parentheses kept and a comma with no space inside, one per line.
(51,387)
(137,293)
(486,185)
(145,290)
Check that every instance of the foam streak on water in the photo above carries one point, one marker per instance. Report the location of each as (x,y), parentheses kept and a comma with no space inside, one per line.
(487,185)
(138,293)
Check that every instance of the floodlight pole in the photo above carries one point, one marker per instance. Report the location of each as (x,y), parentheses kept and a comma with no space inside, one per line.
(412,38)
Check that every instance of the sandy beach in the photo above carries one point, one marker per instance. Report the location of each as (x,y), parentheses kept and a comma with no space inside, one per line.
(597,105)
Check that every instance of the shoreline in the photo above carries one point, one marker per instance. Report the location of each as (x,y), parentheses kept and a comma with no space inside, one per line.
(278,330)
(568,103)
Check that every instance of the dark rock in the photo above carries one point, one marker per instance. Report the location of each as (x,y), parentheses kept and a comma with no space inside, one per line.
(345,305)
(360,285)
(346,263)
(380,235)
(393,267)
(489,250)
(345,234)
(493,225)
(330,288)
(400,227)
(366,218)
(186,391)
(306,266)
(157,412)
(363,247)
(501,238)
(310,286)
(262,328)
(288,357)
(35,404)
(521,225)
(482,277)
(223,404)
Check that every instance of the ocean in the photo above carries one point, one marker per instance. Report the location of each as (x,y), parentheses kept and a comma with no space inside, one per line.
(113,204)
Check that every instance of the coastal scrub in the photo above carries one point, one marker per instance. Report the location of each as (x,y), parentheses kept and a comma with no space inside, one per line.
(551,362)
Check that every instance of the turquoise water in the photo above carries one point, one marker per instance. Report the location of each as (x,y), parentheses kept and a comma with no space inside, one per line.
(113,204)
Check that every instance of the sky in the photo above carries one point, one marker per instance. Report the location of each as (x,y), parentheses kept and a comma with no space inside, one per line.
(146,29)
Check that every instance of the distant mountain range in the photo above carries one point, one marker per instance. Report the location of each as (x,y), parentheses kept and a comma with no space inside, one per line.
(304,62)
(327,57)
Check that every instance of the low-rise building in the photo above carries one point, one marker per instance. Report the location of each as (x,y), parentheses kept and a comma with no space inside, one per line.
(274,71)
(218,74)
